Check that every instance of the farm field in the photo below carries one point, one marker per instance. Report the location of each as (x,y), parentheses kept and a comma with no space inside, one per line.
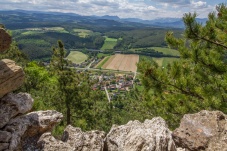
(166,61)
(109,43)
(102,55)
(166,51)
(31,31)
(82,32)
(101,63)
(163,62)
(122,62)
(77,57)
(159,61)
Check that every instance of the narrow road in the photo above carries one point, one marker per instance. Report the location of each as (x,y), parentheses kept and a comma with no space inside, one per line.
(107,94)
(88,67)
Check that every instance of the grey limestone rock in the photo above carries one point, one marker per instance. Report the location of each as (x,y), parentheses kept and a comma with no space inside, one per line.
(14,104)
(48,143)
(206,130)
(152,135)
(26,128)
(73,139)
(84,141)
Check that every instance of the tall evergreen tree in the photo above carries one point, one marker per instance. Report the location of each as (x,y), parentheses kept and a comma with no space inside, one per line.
(65,76)
(199,79)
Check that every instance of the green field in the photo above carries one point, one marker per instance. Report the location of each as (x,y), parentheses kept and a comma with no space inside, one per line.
(83,32)
(77,57)
(103,62)
(32,31)
(55,28)
(159,61)
(166,51)
(162,62)
(102,55)
(166,61)
(109,43)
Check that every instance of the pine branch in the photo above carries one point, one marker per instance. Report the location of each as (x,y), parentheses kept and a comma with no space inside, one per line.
(205,39)
(189,93)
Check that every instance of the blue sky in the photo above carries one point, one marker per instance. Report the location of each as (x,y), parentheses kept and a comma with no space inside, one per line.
(143,9)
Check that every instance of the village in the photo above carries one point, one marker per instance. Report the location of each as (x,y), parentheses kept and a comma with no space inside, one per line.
(115,83)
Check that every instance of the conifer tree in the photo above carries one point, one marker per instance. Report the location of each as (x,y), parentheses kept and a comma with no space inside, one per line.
(199,79)
(66,78)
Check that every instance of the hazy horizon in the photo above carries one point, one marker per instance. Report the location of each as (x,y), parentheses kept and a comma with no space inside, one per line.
(142,9)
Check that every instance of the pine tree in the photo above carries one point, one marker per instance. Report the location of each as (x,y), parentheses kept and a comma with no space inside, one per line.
(66,78)
(199,79)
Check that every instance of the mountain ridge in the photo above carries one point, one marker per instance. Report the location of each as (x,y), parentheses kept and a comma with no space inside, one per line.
(158,22)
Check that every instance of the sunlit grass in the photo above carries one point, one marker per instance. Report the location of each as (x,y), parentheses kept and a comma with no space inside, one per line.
(77,57)
(109,43)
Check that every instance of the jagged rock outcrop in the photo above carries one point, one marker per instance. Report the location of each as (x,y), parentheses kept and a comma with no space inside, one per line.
(74,139)
(206,130)
(19,131)
(48,143)
(135,136)
(25,130)
(11,76)
(84,141)
(5,40)
(14,104)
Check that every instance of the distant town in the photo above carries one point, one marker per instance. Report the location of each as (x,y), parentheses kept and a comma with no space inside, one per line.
(117,84)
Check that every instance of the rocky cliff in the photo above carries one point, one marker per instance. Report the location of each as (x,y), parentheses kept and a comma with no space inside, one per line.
(22,130)
(28,131)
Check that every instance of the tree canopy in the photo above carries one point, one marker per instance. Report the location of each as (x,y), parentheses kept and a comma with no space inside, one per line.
(199,79)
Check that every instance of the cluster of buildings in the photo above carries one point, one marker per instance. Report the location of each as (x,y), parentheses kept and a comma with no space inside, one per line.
(114,82)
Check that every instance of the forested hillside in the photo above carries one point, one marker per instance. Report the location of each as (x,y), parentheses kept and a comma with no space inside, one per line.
(37,32)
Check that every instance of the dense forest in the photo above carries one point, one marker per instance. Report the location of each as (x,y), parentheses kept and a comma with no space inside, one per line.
(140,38)
(35,33)
(37,45)
(195,82)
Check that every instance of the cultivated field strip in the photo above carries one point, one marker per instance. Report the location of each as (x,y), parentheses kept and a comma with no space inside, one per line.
(108,62)
(122,62)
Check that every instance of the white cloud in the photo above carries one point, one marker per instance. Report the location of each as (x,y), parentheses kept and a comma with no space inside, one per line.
(175,2)
(199,4)
(144,9)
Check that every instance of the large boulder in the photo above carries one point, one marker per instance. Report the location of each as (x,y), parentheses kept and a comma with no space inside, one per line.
(84,141)
(135,136)
(11,76)
(4,139)
(26,129)
(14,104)
(73,139)
(206,130)
(48,143)
(5,40)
